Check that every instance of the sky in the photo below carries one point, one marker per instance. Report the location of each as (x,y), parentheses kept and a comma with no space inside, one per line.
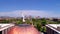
(43,8)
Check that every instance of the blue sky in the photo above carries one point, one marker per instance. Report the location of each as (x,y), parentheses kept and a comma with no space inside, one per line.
(50,8)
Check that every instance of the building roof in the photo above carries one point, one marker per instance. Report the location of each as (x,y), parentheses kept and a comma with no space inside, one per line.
(5,26)
(53,27)
(23,29)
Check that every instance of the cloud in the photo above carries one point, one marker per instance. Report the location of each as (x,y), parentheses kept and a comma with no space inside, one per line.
(18,13)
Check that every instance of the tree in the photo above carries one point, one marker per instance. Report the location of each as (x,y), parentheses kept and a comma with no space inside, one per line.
(43,22)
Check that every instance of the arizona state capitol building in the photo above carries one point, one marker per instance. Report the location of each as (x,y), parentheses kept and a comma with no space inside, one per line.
(4,28)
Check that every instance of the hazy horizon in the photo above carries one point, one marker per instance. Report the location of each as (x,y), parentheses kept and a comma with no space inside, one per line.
(43,8)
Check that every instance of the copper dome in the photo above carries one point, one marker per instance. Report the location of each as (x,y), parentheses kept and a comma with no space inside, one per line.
(23,29)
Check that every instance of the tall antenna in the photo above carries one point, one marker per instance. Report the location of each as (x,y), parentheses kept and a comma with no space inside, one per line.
(23,17)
